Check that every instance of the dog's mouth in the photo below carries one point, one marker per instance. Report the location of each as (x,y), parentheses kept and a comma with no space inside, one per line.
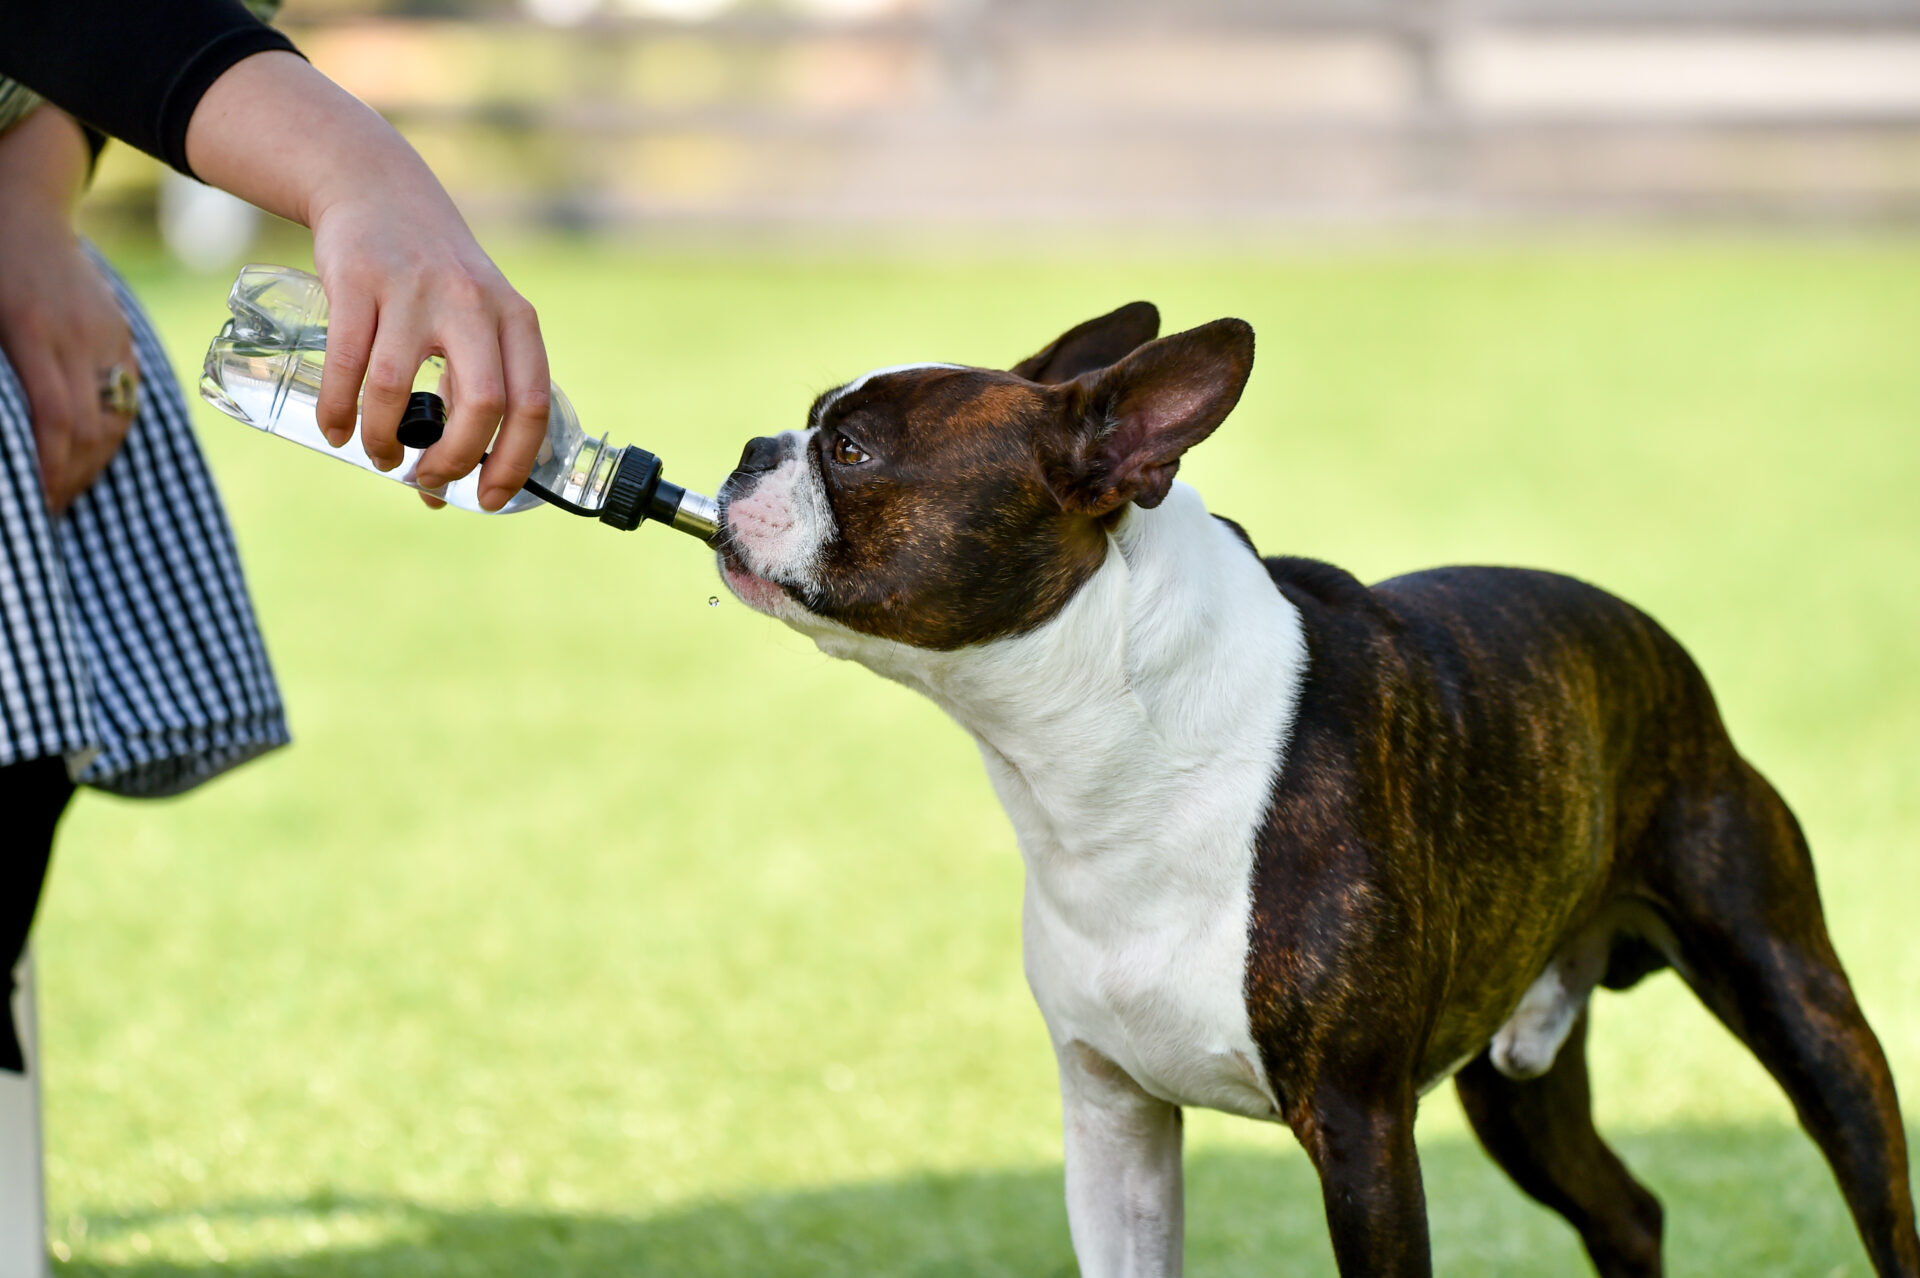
(789,601)
(757,592)
(762,594)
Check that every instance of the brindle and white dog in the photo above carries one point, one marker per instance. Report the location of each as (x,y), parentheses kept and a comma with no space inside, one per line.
(1299,848)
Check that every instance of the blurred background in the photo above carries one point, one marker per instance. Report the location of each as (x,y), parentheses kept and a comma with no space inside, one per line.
(623,114)
(595,925)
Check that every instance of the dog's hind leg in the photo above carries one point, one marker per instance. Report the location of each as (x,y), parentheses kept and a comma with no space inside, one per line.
(1751,941)
(1540,1130)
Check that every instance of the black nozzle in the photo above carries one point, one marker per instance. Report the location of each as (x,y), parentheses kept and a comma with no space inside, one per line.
(423,422)
(631,491)
(636,492)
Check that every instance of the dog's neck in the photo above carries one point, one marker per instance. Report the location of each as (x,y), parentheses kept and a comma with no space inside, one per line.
(1150,713)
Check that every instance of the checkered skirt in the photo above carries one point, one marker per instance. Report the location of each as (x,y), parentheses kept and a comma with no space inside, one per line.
(127,641)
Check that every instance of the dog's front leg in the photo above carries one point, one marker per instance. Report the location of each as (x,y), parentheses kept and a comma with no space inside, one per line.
(1125,1207)
(1370,1181)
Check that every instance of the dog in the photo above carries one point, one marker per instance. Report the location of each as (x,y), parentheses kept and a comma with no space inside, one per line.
(1298,848)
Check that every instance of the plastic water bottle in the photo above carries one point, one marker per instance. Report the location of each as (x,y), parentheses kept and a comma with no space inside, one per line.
(264,369)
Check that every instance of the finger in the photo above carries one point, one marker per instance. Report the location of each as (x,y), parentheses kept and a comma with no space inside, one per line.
(473,415)
(99,439)
(398,352)
(529,400)
(349,346)
(50,405)
(108,337)
(432,502)
(93,433)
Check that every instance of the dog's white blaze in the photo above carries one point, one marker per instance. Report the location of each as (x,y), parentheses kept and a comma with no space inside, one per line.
(836,396)
(1134,740)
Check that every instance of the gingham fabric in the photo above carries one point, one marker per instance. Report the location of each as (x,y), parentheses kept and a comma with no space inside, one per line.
(127,641)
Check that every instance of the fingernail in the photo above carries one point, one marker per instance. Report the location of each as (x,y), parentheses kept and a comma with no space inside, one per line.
(337,438)
(494,498)
(424,480)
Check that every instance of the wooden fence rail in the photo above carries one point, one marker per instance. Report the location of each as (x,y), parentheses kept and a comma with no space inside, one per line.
(1057,111)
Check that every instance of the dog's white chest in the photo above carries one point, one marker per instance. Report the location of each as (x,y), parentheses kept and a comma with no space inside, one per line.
(1135,748)
(1155,986)
(1134,741)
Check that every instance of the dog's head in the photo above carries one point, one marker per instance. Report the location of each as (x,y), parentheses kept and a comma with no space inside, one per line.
(939,506)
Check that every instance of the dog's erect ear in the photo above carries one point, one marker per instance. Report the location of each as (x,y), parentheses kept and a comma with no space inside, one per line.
(1122,429)
(1092,345)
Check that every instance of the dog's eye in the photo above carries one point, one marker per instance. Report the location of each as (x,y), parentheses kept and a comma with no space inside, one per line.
(848,453)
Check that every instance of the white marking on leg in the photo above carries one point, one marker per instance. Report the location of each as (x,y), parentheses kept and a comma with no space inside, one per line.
(1526,1045)
(1126,1207)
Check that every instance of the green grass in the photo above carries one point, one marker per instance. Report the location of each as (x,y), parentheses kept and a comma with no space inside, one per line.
(591,929)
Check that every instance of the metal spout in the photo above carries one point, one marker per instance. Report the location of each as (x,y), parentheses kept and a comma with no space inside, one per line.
(697,516)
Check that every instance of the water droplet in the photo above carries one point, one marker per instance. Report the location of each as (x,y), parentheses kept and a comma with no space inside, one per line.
(713,601)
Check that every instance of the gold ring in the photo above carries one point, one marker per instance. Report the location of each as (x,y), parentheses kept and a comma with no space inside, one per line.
(120,391)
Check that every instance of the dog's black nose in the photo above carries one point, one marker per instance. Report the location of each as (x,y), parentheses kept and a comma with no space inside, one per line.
(761,455)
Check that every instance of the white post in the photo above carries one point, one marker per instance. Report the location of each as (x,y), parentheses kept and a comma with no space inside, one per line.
(23,1202)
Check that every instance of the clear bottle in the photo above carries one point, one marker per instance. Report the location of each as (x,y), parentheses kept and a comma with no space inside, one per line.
(264,369)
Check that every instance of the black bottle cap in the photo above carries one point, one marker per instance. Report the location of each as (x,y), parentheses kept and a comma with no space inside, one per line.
(423,421)
(631,489)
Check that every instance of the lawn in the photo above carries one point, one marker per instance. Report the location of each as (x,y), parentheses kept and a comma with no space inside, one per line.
(594,926)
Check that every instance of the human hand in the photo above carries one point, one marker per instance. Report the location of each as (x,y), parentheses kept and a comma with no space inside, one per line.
(403,275)
(405,280)
(60,324)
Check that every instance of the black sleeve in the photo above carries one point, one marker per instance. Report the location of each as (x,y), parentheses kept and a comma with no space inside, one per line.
(96,143)
(132,69)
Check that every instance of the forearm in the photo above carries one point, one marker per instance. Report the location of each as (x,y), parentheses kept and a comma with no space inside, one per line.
(279,134)
(43,168)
